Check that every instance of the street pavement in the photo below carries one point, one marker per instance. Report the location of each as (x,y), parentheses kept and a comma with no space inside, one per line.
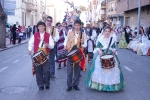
(10,45)
(17,82)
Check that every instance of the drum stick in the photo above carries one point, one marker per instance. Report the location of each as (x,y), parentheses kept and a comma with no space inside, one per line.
(42,40)
(109,45)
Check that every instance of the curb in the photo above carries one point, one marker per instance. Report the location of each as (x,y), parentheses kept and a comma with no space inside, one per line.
(13,46)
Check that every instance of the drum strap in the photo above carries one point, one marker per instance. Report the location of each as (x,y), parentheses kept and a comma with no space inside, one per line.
(52,30)
(80,39)
(42,44)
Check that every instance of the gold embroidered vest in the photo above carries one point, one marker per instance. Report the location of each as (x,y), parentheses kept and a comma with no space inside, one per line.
(49,30)
(71,40)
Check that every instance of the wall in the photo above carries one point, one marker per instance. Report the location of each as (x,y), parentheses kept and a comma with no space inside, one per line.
(133,19)
(11,19)
(122,6)
(126,5)
(111,8)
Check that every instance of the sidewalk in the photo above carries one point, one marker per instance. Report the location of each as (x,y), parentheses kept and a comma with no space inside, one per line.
(8,45)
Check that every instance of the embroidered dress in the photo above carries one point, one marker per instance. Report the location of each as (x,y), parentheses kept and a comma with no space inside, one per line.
(148,52)
(144,46)
(61,51)
(105,79)
(123,43)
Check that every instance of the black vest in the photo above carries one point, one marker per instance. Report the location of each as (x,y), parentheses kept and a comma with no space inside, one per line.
(89,32)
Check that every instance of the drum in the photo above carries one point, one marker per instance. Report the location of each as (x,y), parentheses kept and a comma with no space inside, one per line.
(43,49)
(39,58)
(107,61)
(148,52)
(75,56)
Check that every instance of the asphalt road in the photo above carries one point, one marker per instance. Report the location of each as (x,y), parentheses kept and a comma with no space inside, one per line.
(17,82)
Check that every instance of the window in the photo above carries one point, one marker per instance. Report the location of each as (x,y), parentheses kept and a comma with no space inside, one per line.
(102,11)
(113,5)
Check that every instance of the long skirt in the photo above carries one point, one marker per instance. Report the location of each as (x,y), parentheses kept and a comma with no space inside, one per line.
(148,52)
(105,79)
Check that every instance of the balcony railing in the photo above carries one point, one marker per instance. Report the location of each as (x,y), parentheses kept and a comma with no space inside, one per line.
(111,9)
(109,1)
(103,4)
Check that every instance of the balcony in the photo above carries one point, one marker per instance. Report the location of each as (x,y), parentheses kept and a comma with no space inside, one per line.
(103,17)
(103,5)
(94,2)
(109,1)
(30,6)
(35,8)
(90,7)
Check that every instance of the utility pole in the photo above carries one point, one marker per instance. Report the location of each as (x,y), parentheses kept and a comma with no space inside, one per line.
(2,3)
(139,15)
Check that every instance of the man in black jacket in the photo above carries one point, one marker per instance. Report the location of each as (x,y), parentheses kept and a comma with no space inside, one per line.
(29,30)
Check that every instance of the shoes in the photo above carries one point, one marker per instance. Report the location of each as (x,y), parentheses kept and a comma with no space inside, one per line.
(56,60)
(59,66)
(52,76)
(76,88)
(41,88)
(65,65)
(47,87)
(69,89)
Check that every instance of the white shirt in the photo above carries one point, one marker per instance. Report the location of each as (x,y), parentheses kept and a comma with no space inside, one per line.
(56,37)
(31,42)
(76,37)
(94,35)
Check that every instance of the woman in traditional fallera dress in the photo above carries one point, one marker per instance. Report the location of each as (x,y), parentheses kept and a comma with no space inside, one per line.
(123,43)
(105,79)
(144,46)
(134,42)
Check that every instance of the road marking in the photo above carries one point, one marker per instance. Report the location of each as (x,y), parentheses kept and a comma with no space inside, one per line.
(3,69)
(15,61)
(25,55)
(127,68)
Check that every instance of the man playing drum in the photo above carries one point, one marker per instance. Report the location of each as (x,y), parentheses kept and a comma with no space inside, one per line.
(39,40)
(74,41)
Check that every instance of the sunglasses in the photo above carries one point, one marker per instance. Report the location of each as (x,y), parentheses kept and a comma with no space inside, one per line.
(49,20)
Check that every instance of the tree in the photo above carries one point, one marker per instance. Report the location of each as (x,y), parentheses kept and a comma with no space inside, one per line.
(82,8)
(3,18)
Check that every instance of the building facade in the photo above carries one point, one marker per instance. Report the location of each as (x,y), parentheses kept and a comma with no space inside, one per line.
(26,12)
(96,11)
(130,10)
(114,18)
(101,10)
(56,11)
